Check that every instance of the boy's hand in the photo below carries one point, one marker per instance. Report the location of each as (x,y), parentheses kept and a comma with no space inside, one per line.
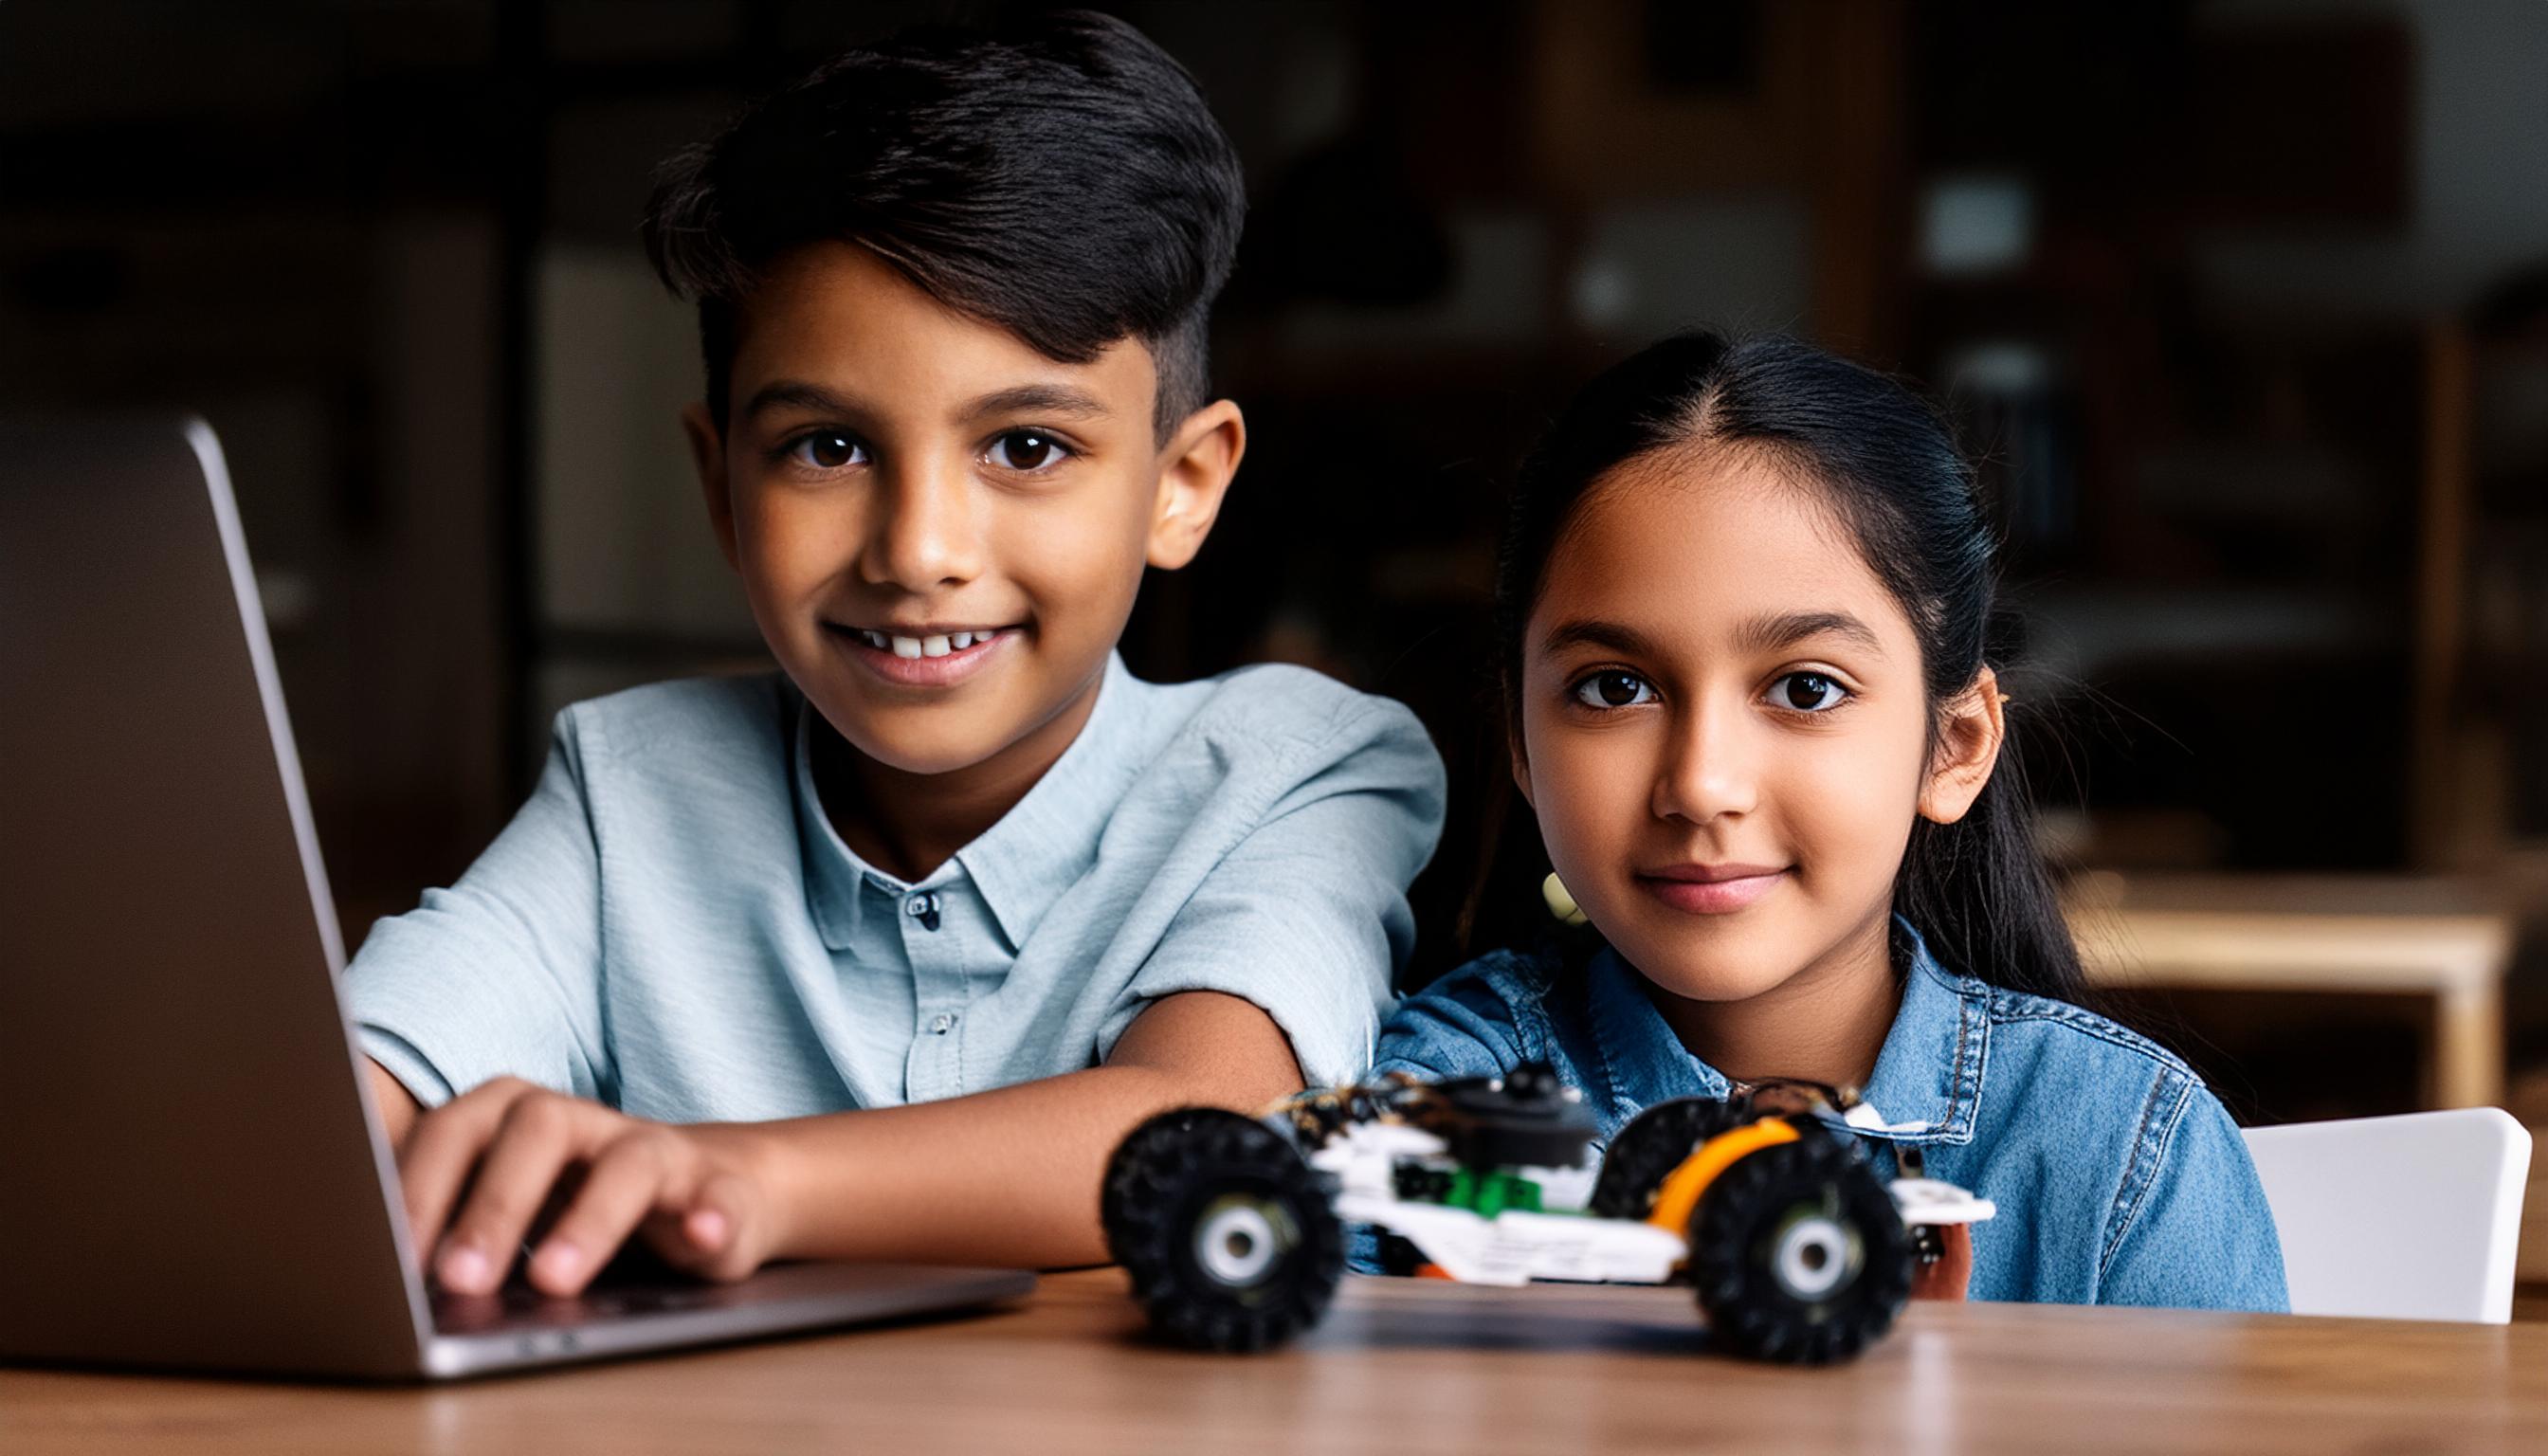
(701,1196)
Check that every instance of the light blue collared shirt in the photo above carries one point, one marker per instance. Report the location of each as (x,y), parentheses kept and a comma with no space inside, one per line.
(2120,1178)
(671,926)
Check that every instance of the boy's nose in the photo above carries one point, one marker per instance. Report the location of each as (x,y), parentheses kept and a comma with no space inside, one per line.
(925,535)
(1707,769)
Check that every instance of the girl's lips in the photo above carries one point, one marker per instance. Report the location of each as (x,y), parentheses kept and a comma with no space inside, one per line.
(1711,896)
(921,671)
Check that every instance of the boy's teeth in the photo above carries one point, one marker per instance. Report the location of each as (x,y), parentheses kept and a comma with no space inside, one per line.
(936,646)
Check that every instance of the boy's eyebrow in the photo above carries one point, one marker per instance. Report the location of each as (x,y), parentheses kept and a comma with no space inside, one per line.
(796,394)
(1038,399)
(1785,629)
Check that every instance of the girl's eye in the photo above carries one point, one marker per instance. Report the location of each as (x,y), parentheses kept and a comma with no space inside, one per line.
(1613,689)
(1807,692)
(1027,450)
(828,450)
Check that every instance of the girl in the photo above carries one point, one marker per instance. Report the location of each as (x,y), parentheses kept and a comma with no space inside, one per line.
(1741,612)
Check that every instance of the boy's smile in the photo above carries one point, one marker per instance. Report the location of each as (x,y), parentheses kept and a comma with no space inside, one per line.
(928,655)
(941,530)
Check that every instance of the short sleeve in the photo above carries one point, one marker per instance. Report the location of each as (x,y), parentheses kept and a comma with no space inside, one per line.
(2200,1234)
(500,973)
(1306,915)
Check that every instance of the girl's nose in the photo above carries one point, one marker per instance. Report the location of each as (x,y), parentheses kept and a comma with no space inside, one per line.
(1707,771)
(925,535)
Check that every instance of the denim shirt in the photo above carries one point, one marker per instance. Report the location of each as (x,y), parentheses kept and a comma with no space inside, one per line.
(2120,1179)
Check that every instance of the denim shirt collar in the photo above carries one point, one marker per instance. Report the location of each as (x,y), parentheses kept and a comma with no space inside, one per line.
(1021,865)
(1928,1079)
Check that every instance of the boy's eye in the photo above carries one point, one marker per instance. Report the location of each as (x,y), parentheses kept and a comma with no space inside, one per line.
(1807,692)
(1027,449)
(1613,689)
(828,450)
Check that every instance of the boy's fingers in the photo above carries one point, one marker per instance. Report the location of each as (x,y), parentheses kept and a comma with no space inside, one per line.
(540,1135)
(718,1233)
(627,1181)
(441,1150)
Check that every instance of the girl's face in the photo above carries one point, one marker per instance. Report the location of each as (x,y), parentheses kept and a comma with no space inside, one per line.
(1725,733)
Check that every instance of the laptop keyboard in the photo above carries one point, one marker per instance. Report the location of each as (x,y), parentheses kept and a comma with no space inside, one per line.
(518,1304)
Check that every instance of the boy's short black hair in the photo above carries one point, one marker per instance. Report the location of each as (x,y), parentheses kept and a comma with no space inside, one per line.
(1060,178)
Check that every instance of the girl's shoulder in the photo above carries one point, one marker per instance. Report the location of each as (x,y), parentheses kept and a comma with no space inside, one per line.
(2009,1019)
(2020,1016)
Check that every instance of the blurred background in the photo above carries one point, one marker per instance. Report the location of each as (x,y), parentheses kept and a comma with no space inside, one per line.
(2242,306)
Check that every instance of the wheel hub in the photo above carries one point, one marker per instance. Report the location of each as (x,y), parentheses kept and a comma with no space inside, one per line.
(1815,1254)
(1239,1239)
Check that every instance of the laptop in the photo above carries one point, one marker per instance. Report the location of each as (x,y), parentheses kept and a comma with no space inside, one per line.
(192,1175)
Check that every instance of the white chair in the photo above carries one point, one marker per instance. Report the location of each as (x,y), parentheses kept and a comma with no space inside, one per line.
(2403,1217)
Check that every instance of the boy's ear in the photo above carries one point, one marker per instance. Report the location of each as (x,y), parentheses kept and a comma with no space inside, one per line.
(708,456)
(1195,469)
(1970,730)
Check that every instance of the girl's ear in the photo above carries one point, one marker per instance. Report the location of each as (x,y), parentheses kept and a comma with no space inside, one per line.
(708,456)
(1194,475)
(1520,768)
(1970,730)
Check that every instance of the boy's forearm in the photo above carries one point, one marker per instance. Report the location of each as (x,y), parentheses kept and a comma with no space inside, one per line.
(1011,1176)
(397,1106)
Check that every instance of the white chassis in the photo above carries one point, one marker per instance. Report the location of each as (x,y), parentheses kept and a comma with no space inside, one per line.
(1515,1246)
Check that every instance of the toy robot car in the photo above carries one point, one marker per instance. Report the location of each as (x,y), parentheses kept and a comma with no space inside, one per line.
(1233,1229)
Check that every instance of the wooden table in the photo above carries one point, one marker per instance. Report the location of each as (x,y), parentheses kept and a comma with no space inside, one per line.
(2363,935)
(1407,1367)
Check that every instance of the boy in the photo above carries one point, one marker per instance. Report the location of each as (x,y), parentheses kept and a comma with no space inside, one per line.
(878,956)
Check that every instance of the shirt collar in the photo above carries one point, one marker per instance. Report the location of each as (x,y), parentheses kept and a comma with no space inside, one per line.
(1047,842)
(1928,1076)
(1928,1079)
(1021,865)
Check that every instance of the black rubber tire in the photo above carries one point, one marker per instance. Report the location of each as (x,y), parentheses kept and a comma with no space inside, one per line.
(1651,1144)
(1182,1168)
(1818,1183)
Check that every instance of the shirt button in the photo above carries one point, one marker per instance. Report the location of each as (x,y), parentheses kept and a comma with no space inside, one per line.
(943,1023)
(922,907)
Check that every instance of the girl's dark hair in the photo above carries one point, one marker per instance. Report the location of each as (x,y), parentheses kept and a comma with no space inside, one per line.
(1059,177)
(1978,889)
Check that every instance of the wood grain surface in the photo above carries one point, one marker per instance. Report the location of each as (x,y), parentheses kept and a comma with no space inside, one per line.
(1403,1366)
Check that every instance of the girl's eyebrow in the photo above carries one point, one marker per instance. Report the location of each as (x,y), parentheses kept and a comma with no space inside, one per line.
(1785,629)
(1617,637)
(1771,633)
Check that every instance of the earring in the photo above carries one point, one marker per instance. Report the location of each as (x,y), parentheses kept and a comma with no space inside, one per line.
(1560,903)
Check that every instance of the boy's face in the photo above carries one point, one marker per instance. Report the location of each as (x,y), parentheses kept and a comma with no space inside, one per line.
(940,529)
